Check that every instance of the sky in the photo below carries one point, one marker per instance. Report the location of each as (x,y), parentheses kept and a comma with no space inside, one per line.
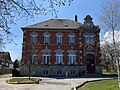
(81,8)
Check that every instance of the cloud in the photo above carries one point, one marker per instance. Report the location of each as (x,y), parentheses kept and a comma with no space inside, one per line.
(108,37)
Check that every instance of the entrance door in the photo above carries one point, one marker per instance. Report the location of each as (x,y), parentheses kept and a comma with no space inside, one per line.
(90,63)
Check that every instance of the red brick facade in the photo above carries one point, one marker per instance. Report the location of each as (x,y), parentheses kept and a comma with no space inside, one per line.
(86,48)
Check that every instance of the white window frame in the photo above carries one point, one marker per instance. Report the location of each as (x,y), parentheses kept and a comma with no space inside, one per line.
(91,38)
(34,58)
(46,57)
(59,57)
(46,39)
(72,57)
(34,38)
(86,38)
(71,39)
(59,39)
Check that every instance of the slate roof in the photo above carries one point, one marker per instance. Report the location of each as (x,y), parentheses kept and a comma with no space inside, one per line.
(55,24)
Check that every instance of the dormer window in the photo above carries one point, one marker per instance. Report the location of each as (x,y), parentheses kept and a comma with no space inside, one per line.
(59,38)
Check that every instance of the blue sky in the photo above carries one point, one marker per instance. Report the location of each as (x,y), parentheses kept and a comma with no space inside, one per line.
(81,8)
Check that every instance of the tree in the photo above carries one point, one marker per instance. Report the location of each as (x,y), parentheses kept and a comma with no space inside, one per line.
(13,10)
(107,55)
(16,64)
(110,17)
(33,54)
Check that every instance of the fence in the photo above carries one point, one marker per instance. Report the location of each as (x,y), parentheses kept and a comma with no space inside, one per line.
(5,71)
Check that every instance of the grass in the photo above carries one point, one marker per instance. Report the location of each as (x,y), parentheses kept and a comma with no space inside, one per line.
(101,85)
(112,72)
(1,74)
(22,80)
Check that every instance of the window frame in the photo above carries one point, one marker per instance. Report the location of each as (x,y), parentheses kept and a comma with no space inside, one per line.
(71,39)
(89,38)
(59,38)
(59,57)
(34,57)
(72,57)
(92,38)
(34,37)
(47,38)
(86,38)
(46,57)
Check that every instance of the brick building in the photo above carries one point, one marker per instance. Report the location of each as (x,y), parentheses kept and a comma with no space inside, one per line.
(61,47)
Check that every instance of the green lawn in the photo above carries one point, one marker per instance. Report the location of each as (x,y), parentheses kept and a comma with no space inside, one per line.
(101,85)
(1,74)
(22,80)
(112,72)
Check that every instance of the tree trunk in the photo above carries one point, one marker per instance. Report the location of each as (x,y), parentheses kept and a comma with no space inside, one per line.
(116,58)
(29,71)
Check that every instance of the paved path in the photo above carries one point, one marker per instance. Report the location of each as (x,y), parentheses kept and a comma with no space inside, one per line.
(46,83)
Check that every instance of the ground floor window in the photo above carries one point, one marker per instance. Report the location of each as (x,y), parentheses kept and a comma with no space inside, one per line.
(45,72)
(59,72)
(72,72)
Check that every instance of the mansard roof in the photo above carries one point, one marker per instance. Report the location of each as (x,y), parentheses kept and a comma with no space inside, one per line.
(55,24)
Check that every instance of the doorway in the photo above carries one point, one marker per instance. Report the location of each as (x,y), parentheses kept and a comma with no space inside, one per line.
(90,59)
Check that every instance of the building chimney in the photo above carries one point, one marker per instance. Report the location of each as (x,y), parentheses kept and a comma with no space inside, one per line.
(76,18)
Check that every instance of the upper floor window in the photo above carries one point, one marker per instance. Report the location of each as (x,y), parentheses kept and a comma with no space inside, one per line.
(59,38)
(72,57)
(46,38)
(34,38)
(89,38)
(46,58)
(59,57)
(71,39)
(86,38)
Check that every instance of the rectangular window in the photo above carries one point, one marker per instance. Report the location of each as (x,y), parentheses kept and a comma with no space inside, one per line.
(59,39)
(34,58)
(72,57)
(59,57)
(59,72)
(86,38)
(34,39)
(91,38)
(71,39)
(72,72)
(46,39)
(46,58)
(45,72)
